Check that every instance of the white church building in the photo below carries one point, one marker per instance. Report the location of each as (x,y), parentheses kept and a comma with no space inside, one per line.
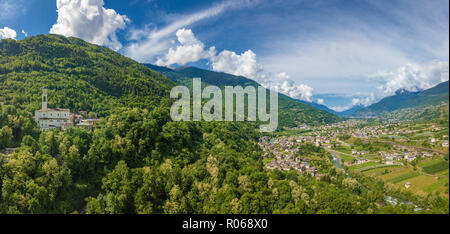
(48,118)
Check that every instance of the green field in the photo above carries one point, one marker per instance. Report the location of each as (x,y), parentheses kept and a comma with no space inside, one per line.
(343,149)
(439,185)
(404,177)
(420,182)
(425,184)
(436,167)
(364,165)
(379,166)
(347,158)
(395,172)
(380,171)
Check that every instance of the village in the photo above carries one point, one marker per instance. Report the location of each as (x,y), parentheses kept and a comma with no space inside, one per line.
(409,154)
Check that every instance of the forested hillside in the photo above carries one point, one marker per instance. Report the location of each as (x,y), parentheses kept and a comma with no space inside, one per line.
(291,113)
(79,76)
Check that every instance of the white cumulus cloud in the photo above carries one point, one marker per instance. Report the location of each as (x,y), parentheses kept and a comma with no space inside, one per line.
(89,20)
(244,64)
(320,101)
(241,65)
(412,77)
(189,50)
(7,33)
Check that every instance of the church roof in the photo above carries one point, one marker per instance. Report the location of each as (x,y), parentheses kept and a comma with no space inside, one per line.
(53,109)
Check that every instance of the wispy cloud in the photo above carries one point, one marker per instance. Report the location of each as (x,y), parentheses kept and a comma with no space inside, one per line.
(9,9)
(147,43)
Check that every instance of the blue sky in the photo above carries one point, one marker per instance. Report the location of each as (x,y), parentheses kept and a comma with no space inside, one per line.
(336,52)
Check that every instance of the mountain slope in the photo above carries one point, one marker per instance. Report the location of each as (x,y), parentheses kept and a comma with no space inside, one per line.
(291,112)
(386,104)
(79,76)
(432,96)
(404,101)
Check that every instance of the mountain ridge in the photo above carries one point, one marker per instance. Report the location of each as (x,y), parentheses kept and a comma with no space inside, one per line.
(293,112)
(403,99)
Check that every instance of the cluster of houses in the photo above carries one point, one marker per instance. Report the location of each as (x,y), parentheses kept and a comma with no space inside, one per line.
(286,163)
(407,154)
(363,152)
(434,141)
(49,118)
(285,150)
(360,160)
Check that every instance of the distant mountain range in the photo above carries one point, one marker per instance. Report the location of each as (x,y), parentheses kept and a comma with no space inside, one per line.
(292,112)
(351,111)
(345,113)
(404,100)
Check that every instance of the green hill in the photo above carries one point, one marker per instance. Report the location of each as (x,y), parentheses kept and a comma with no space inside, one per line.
(434,96)
(416,105)
(291,112)
(79,76)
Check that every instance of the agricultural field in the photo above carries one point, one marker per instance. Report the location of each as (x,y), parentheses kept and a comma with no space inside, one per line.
(347,158)
(343,149)
(426,184)
(435,167)
(380,171)
(359,167)
(431,176)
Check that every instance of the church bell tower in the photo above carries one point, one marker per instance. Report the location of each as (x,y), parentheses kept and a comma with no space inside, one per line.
(44,99)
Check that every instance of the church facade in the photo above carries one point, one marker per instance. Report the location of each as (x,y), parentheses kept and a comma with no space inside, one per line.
(49,118)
